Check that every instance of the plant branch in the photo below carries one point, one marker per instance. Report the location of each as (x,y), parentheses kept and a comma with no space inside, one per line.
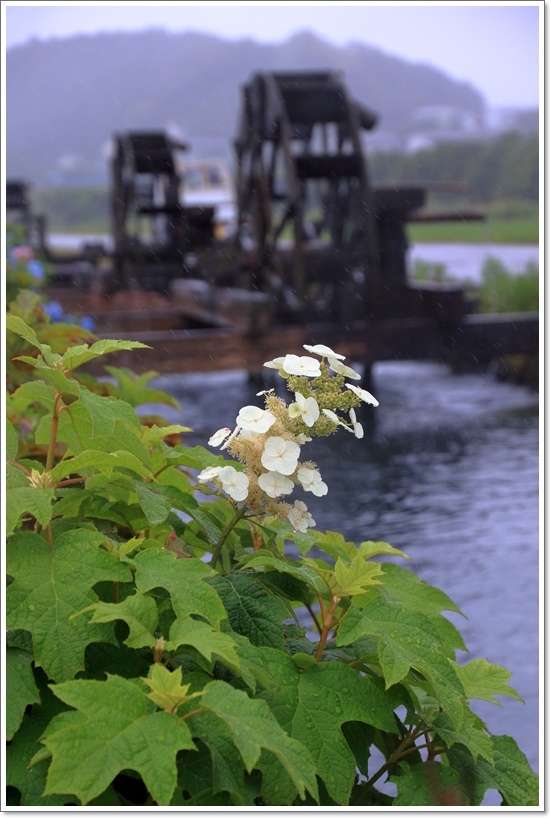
(225,534)
(53,433)
(327,625)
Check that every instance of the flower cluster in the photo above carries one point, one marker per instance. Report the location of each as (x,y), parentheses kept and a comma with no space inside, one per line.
(268,441)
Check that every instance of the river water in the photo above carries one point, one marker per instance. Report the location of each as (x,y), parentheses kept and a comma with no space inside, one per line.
(447,472)
(463,262)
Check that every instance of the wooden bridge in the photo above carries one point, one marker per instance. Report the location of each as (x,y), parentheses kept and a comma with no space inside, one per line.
(474,342)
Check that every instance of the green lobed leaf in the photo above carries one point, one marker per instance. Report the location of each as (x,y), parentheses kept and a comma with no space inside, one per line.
(313,705)
(405,587)
(113,729)
(104,462)
(139,611)
(155,505)
(183,579)
(251,609)
(166,688)
(370,549)
(23,748)
(208,641)
(407,639)
(482,680)
(82,353)
(23,500)
(510,773)
(101,424)
(355,577)
(471,733)
(52,584)
(20,686)
(67,387)
(254,728)
(428,785)
(134,388)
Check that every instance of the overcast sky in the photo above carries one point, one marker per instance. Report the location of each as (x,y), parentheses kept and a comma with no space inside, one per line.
(495,46)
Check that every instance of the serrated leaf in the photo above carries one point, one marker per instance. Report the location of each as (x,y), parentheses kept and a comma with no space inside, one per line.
(17,325)
(167,690)
(52,584)
(482,680)
(510,774)
(138,611)
(254,728)
(35,392)
(99,423)
(113,729)
(356,577)
(251,609)
(134,388)
(23,748)
(471,733)
(28,500)
(428,785)
(208,641)
(15,478)
(58,379)
(370,549)
(20,688)
(407,639)
(183,579)
(78,355)
(407,588)
(155,505)
(313,705)
(104,462)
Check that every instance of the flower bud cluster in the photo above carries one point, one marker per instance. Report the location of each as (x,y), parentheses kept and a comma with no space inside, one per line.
(268,441)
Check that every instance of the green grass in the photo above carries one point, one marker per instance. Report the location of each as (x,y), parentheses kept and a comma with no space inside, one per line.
(506,223)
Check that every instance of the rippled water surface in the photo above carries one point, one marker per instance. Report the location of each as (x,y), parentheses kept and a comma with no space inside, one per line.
(448,473)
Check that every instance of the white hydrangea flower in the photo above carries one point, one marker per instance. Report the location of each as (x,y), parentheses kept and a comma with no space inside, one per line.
(208,474)
(302,439)
(277,363)
(305,408)
(219,436)
(323,351)
(362,394)
(301,365)
(356,425)
(300,518)
(255,419)
(234,482)
(311,481)
(341,369)
(336,419)
(275,484)
(280,455)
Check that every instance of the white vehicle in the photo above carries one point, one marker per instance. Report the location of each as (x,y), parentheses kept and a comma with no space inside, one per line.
(208,183)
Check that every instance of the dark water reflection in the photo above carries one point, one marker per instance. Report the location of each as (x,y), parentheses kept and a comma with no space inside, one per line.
(448,473)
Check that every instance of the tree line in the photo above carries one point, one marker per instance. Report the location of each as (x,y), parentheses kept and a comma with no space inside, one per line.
(506,168)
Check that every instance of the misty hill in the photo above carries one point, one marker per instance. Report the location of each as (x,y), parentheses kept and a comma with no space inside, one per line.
(66,97)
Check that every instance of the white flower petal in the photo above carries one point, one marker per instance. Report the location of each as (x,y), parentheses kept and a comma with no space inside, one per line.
(219,436)
(234,483)
(367,397)
(301,365)
(255,419)
(300,518)
(280,455)
(275,484)
(341,369)
(208,474)
(323,351)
